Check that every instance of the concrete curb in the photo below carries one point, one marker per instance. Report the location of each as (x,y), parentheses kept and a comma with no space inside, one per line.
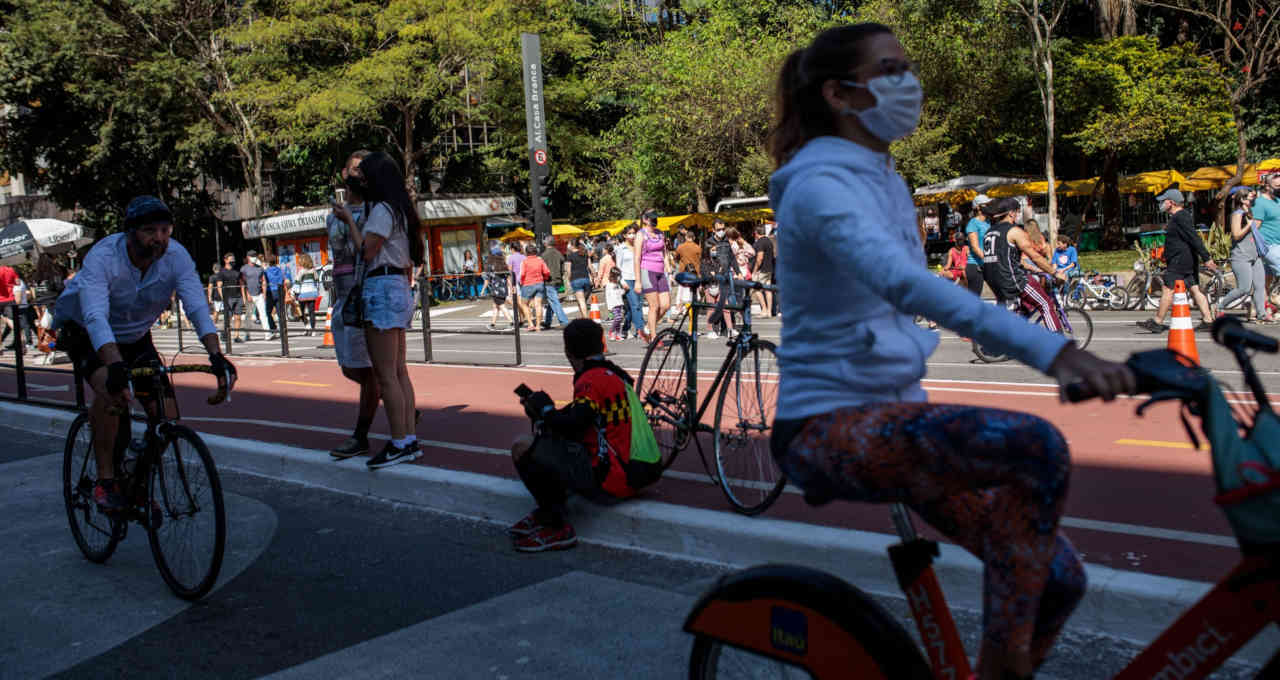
(1122,604)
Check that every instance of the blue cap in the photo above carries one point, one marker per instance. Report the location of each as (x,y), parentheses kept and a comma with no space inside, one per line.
(144,210)
(1237,189)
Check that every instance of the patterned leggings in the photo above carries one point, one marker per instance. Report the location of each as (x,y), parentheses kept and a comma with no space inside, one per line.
(992,481)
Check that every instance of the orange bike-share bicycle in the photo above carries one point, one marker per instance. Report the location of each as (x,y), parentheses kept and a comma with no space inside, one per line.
(789,621)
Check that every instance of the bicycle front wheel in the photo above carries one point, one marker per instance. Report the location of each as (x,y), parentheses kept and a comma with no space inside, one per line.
(186,523)
(661,387)
(1079,327)
(1153,289)
(95,533)
(1119,299)
(714,660)
(745,468)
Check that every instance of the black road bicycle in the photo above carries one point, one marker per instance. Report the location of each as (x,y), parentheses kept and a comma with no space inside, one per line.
(746,391)
(170,482)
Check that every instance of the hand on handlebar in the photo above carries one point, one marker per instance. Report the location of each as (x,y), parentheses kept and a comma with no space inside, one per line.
(1106,378)
(226,375)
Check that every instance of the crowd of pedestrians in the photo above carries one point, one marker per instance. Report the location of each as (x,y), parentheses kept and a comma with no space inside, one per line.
(631,275)
(31,291)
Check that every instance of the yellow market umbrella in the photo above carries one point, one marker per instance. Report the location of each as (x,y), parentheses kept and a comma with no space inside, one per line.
(1077,187)
(1150,182)
(566,230)
(514,234)
(610,227)
(954,197)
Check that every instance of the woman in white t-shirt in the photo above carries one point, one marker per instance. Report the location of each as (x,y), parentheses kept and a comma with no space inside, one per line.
(391,248)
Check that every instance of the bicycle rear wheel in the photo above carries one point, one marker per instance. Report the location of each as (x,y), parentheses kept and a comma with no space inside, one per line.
(95,533)
(188,541)
(1079,327)
(661,387)
(713,660)
(745,468)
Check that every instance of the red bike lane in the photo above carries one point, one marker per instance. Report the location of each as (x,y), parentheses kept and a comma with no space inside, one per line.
(1140,500)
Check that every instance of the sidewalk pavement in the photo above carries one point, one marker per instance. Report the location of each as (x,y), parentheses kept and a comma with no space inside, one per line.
(1126,605)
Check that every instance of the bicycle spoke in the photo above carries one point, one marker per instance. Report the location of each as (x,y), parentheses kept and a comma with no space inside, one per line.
(188,541)
(749,476)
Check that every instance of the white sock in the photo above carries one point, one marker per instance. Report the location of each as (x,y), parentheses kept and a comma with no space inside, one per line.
(400,443)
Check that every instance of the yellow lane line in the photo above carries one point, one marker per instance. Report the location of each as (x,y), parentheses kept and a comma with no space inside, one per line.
(1159,444)
(304,384)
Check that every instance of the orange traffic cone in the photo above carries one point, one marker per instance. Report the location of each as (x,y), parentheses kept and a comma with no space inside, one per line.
(328,329)
(1182,338)
(595,316)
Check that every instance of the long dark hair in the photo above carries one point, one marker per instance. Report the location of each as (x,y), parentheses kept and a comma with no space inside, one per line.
(802,113)
(1238,202)
(385,184)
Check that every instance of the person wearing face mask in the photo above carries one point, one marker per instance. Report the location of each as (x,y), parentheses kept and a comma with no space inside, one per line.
(1004,247)
(853,421)
(720,263)
(349,343)
(1246,257)
(1266,210)
(1184,252)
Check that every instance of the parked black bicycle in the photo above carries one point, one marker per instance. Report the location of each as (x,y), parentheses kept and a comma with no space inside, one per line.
(170,481)
(746,385)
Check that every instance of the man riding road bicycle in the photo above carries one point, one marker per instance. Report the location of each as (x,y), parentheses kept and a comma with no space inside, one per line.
(104,319)
(1003,248)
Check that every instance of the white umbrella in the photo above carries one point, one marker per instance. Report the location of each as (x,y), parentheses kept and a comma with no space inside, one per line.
(17,239)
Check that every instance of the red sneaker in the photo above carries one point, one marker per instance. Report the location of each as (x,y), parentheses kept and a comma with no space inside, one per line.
(548,538)
(524,527)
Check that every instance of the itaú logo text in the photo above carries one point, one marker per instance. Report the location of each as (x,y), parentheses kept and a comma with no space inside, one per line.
(1183,663)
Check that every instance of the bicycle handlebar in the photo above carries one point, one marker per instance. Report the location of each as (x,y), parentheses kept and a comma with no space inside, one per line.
(1167,374)
(149,371)
(690,280)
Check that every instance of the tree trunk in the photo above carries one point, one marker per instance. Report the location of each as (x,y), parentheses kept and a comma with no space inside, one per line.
(259,201)
(410,154)
(1113,224)
(703,206)
(1048,151)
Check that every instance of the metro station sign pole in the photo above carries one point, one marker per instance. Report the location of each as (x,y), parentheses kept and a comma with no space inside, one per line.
(536,126)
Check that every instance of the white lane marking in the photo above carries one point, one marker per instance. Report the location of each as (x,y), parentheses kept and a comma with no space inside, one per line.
(47,388)
(449,310)
(1075,522)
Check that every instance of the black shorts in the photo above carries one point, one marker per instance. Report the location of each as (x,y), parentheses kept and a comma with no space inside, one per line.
(570,461)
(1189,279)
(74,340)
(233,306)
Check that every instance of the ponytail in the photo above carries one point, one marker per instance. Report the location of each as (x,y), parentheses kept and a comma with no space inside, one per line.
(802,112)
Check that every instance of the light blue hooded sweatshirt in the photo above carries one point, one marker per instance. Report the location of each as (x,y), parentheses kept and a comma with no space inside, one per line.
(853,275)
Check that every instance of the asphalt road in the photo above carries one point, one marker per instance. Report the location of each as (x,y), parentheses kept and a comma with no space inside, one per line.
(460,335)
(323,585)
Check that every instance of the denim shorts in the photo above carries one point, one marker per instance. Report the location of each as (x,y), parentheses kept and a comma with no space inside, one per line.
(388,303)
(533,290)
(583,284)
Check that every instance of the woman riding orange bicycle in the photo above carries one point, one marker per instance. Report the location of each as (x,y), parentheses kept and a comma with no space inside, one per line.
(853,421)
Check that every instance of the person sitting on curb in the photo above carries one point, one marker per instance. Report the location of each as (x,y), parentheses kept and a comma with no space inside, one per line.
(599,446)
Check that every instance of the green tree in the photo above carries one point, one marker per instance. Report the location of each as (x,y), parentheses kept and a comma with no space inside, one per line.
(1130,100)
(90,121)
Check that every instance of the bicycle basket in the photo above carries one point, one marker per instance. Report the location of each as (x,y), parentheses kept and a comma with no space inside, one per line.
(1247,471)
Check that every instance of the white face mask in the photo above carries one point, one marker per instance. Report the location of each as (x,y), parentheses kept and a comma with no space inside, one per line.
(720,233)
(897,110)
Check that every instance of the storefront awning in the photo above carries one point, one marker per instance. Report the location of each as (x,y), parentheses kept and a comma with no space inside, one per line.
(312,219)
(566,230)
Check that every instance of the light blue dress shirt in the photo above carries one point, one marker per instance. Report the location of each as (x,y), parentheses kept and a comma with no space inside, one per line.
(115,302)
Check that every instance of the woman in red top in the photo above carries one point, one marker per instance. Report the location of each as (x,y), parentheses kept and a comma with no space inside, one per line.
(534,274)
(957,258)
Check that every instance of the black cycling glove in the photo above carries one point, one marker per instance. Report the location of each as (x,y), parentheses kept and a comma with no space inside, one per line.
(117,377)
(221,366)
